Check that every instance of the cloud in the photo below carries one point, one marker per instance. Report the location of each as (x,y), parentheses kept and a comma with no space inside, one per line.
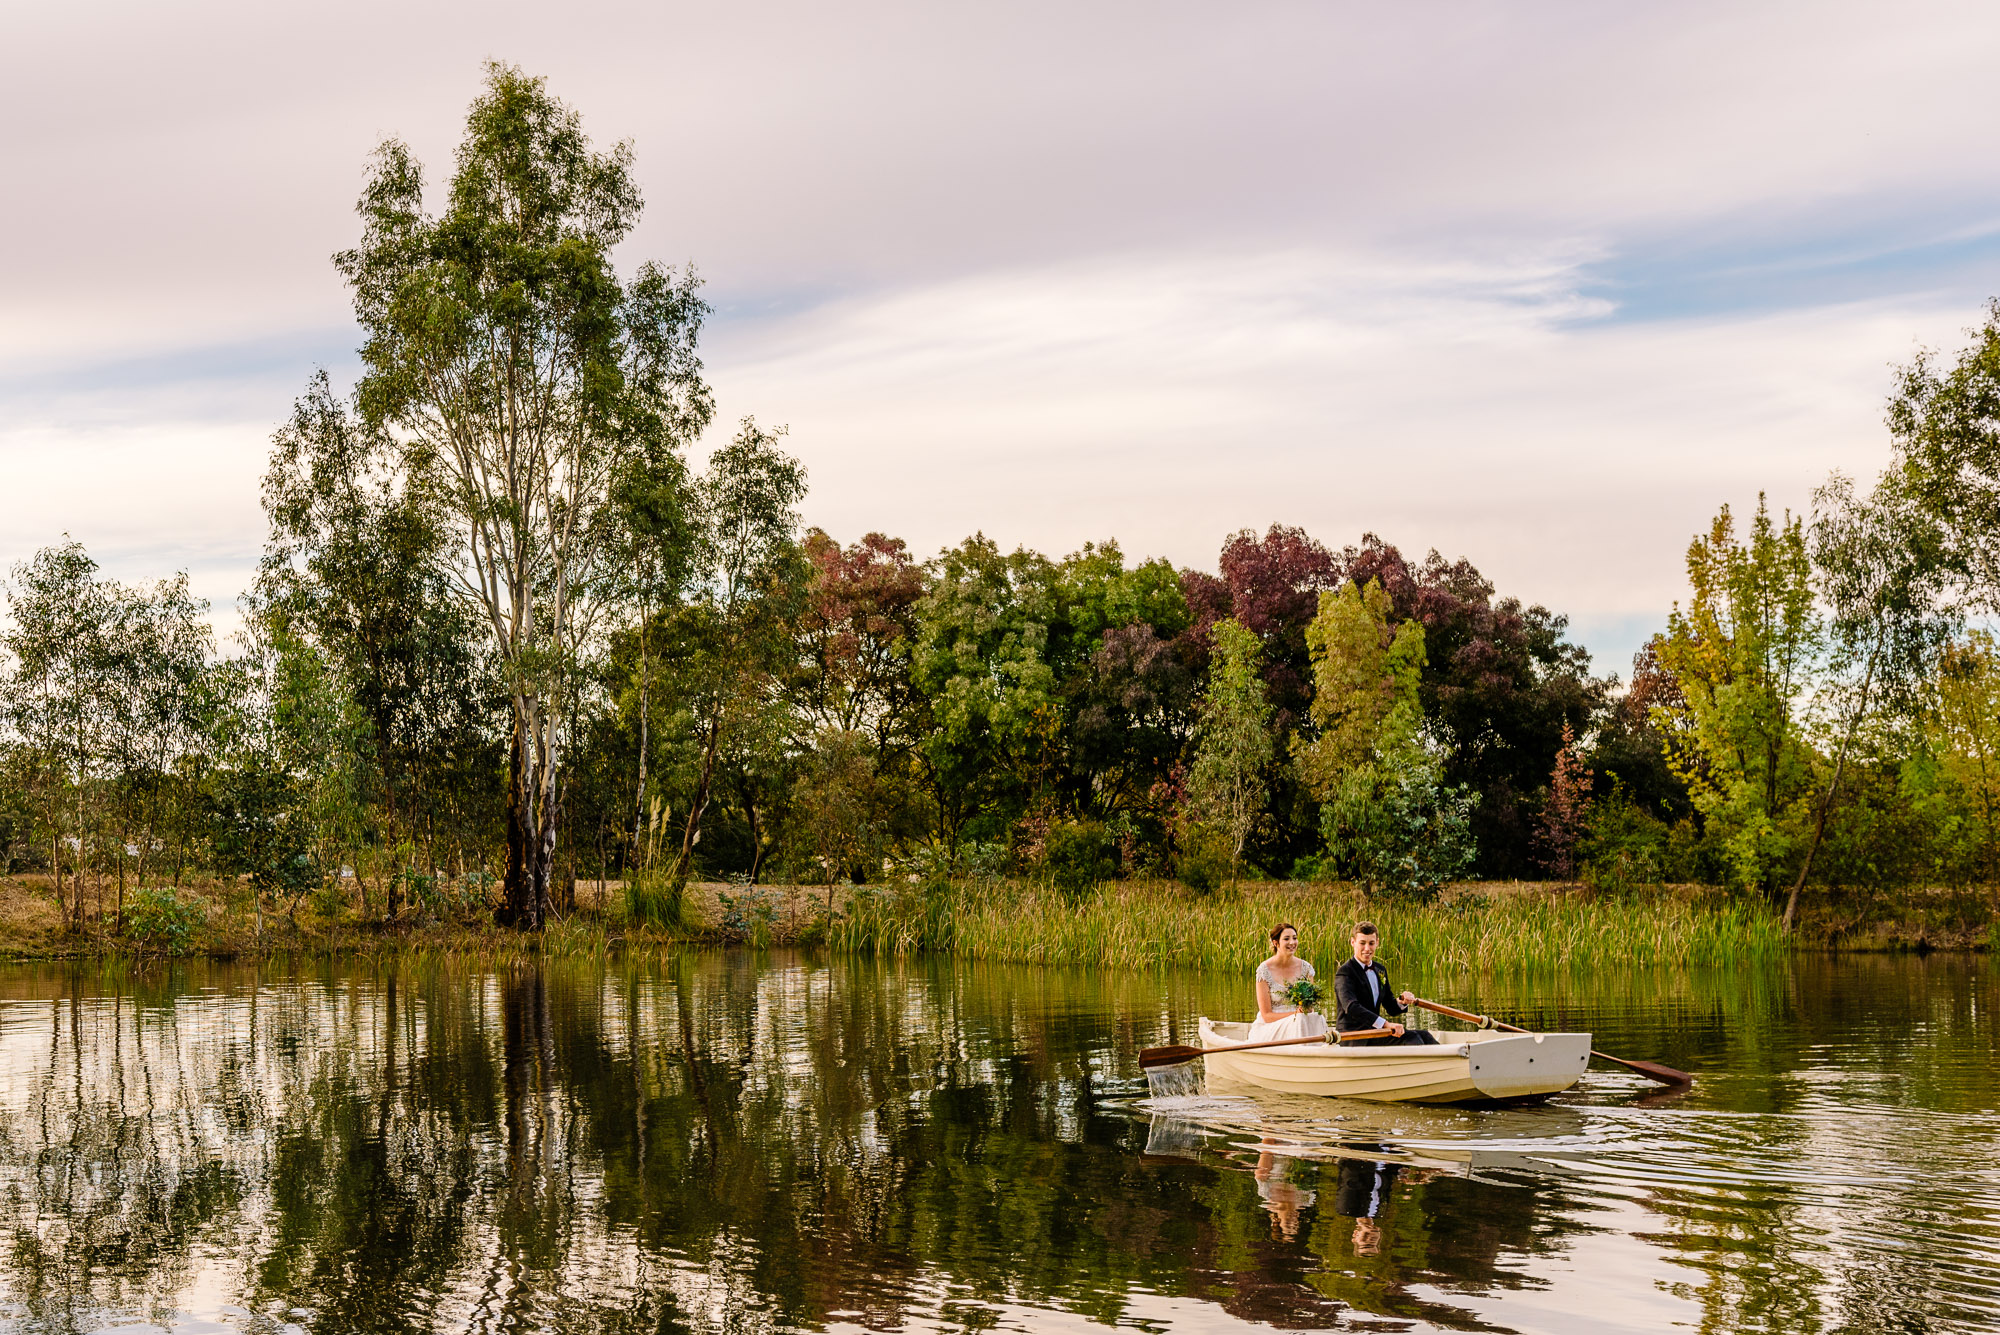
(1489,410)
(1540,286)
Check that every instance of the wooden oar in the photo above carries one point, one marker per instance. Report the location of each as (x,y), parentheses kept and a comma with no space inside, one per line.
(1666,1075)
(1174,1056)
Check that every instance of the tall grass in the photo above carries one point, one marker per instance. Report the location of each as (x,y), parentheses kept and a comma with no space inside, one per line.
(1136,924)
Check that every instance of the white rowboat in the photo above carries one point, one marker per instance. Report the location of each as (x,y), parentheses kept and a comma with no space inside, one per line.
(1465,1067)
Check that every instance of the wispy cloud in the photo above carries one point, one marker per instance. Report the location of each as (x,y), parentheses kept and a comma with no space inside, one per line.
(1541,286)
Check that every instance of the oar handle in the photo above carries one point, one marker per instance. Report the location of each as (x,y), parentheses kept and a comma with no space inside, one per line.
(1483,1021)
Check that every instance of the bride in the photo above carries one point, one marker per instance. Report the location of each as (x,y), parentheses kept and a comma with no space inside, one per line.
(1277,1017)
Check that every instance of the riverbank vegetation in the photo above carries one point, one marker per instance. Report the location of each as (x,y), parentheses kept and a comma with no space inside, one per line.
(506,644)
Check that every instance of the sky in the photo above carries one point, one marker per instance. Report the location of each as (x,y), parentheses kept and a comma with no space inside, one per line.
(1541,286)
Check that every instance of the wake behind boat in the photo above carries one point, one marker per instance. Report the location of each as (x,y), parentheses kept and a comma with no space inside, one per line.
(1461,1067)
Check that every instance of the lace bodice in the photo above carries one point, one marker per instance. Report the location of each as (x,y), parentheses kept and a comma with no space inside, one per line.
(1280,988)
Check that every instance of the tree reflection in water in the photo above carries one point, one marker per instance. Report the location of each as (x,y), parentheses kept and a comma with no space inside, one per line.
(713,1141)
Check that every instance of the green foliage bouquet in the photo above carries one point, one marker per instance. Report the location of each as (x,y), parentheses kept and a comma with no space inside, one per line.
(1305,994)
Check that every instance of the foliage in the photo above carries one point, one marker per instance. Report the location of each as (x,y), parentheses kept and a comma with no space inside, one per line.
(1566,814)
(1964,718)
(1046,686)
(1880,566)
(1945,421)
(1206,858)
(1395,826)
(1365,676)
(1226,788)
(725,649)
(1304,993)
(356,566)
(834,816)
(107,702)
(1740,654)
(749,915)
(1388,818)
(522,385)
(1499,684)
(163,920)
(1079,855)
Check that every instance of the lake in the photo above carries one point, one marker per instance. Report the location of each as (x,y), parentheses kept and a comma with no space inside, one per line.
(728,1141)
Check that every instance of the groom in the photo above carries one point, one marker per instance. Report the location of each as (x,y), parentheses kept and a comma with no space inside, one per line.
(1362,999)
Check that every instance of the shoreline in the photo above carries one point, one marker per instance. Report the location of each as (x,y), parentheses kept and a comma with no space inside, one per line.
(1473,925)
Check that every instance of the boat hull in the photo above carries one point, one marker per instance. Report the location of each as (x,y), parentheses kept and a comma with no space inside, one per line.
(1464,1067)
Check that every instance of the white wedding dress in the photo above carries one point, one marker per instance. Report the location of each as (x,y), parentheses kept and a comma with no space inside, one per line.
(1291,1021)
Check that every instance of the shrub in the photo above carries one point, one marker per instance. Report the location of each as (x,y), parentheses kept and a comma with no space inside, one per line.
(1315,868)
(1623,844)
(1396,827)
(164,920)
(1079,854)
(329,900)
(1204,861)
(748,916)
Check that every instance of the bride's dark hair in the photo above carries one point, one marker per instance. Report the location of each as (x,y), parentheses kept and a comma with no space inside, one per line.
(1280,930)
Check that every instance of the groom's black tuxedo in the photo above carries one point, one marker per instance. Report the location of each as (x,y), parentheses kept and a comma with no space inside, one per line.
(1354,1007)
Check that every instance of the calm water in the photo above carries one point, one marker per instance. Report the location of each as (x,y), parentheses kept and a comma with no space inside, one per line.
(724,1141)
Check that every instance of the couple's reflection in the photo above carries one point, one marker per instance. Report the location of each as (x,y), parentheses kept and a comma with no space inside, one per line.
(1361,1192)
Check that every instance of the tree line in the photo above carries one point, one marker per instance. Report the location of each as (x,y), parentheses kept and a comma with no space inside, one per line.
(505,637)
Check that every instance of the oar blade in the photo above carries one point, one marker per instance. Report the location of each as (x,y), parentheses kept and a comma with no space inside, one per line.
(1149,1058)
(1666,1075)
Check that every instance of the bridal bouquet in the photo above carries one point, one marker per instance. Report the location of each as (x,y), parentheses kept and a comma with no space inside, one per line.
(1305,994)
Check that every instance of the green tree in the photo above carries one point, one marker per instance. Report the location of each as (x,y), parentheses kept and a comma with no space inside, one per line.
(523,386)
(1742,653)
(1048,685)
(835,821)
(980,661)
(1945,418)
(289,783)
(160,706)
(732,637)
(1365,677)
(61,637)
(1879,564)
(1225,785)
(1387,815)
(1965,721)
(355,562)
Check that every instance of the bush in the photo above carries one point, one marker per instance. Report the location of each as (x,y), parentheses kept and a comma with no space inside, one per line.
(1315,868)
(1078,855)
(329,900)
(749,916)
(1396,827)
(1204,861)
(163,920)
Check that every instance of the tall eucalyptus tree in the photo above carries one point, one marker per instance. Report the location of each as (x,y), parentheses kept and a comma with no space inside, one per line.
(524,386)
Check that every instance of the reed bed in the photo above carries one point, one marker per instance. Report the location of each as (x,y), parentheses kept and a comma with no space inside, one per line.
(1138,924)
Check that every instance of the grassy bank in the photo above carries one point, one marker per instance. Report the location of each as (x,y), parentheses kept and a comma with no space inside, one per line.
(1139,924)
(1131,924)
